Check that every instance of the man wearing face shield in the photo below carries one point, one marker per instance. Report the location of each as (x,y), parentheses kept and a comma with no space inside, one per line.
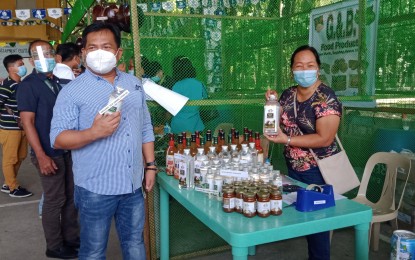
(12,137)
(109,151)
(36,97)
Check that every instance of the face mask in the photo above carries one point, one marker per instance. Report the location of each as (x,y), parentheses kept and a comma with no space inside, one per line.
(305,78)
(50,65)
(155,79)
(22,71)
(131,72)
(101,61)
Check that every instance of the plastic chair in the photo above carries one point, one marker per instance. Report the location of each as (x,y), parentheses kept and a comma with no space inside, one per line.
(385,209)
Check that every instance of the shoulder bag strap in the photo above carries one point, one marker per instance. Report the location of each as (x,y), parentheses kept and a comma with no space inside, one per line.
(295,116)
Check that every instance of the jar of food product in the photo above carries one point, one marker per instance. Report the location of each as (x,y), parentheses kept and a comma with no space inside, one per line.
(276,202)
(263,204)
(228,200)
(249,209)
(239,200)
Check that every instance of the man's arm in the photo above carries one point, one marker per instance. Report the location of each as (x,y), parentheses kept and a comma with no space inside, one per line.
(46,165)
(103,126)
(149,175)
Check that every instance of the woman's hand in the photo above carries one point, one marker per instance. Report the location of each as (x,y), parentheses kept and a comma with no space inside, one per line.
(271,92)
(280,138)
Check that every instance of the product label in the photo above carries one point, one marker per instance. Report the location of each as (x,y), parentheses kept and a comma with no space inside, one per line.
(249,207)
(182,175)
(228,203)
(260,158)
(263,207)
(270,119)
(170,165)
(276,205)
(238,203)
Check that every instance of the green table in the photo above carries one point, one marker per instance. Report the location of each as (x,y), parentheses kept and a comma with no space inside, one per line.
(243,234)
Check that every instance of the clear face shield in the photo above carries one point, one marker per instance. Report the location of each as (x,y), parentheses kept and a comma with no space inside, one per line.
(44,59)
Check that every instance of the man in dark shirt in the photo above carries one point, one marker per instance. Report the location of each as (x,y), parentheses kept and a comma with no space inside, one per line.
(12,138)
(36,98)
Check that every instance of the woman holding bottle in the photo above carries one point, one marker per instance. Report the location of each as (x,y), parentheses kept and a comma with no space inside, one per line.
(310,118)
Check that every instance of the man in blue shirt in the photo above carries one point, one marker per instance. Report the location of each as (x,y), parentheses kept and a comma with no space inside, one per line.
(108,151)
(36,96)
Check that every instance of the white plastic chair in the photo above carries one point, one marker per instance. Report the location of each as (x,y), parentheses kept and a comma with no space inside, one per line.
(386,208)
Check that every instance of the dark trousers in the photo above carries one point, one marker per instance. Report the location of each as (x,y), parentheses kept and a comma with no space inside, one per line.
(59,216)
(319,243)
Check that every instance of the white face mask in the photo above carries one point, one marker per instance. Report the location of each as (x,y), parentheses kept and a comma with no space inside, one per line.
(101,61)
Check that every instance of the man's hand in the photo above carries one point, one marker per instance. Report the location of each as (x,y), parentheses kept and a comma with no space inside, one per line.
(105,125)
(46,165)
(149,179)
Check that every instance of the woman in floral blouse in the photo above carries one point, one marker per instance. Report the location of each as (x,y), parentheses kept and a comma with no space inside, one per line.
(314,126)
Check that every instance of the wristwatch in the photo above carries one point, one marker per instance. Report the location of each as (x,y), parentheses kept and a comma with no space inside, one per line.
(153,163)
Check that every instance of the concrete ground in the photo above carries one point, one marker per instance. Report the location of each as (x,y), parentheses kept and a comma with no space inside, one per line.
(21,233)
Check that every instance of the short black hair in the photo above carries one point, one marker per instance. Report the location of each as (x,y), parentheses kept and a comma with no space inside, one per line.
(306,48)
(11,59)
(37,41)
(183,68)
(100,26)
(68,51)
(153,68)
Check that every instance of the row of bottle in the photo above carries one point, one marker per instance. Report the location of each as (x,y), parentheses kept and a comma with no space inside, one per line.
(216,150)
(263,200)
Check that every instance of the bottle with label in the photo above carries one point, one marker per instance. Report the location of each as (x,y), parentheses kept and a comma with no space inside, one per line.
(254,153)
(186,166)
(208,140)
(197,133)
(179,151)
(251,136)
(238,145)
(272,110)
(200,162)
(224,155)
(193,148)
(259,149)
(170,151)
(246,156)
(235,154)
(185,144)
(246,138)
(212,153)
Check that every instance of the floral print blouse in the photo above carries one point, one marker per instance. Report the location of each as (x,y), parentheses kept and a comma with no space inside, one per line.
(322,103)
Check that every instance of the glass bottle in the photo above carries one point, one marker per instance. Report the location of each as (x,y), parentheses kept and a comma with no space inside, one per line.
(228,203)
(253,152)
(260,151)
(186,179)
(185,144)
(193,148)
(215,143)
(224,155)
(208,141)
(234,153)
(272,110)
(233,135)
(200,162)
(246,156)
(179,151)
(212,153)
(238,145)
(221,140)
(170,151)
(251,136)
(246,138)
(249,210)
(276,202)
(197,133)
(229,141)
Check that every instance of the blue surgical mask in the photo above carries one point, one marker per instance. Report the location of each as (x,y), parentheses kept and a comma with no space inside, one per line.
(305,78)
(155,79)
(22,71)
(50,65)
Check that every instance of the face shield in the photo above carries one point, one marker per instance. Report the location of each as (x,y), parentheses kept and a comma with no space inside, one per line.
(44,59)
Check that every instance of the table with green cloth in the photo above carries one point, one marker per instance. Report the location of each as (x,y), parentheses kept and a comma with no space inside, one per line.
(243,233)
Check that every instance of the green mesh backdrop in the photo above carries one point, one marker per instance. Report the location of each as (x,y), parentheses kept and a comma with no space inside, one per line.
(242,47)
